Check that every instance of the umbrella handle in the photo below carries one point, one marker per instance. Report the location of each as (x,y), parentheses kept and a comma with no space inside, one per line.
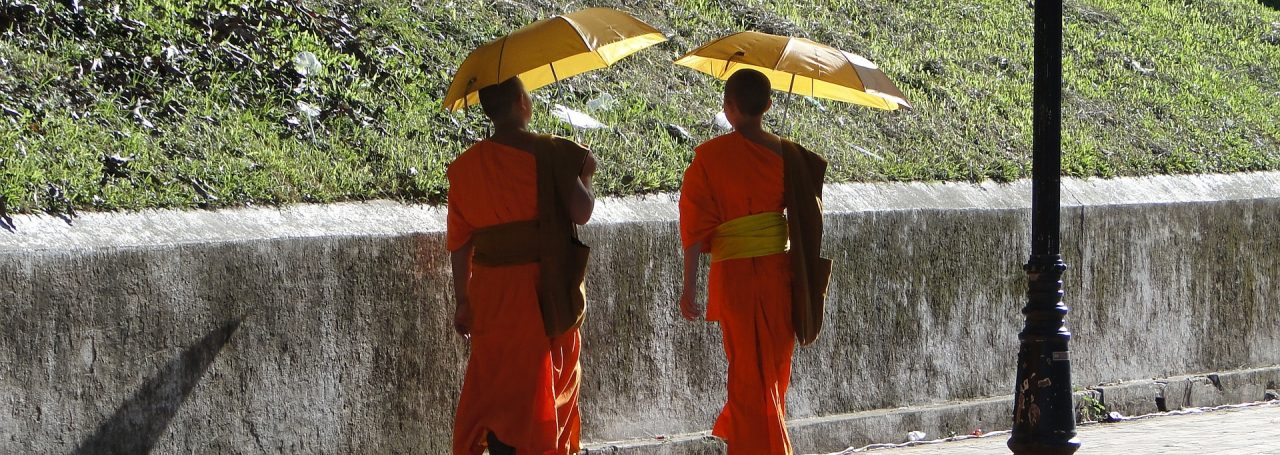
(555,81)
(466,93)
(466,104)
(787,109)
(557,95)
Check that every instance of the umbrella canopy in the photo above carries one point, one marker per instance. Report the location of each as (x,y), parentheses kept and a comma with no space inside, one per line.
(800,66)
(550,50)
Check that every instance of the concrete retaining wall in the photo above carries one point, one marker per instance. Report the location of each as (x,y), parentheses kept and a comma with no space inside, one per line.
(325,329)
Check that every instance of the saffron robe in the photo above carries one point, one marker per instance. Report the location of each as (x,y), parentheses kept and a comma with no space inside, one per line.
(520,384)
(731,177)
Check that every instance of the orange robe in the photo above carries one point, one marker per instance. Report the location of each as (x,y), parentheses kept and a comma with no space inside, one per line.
(732,177)
(520,384)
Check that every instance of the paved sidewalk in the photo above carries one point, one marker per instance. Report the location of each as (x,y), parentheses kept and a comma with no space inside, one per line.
(1233,431)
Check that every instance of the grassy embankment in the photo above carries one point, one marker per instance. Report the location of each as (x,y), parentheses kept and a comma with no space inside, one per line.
(130,104)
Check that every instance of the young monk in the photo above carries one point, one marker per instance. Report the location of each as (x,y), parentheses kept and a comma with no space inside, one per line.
(731,204)
(520,394)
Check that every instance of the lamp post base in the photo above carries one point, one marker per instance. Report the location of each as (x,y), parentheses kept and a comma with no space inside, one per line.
(1043,415)
(1067,447)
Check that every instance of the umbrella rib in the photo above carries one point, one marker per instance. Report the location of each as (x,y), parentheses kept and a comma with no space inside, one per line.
(862,81)
(501,51)
(574,26)
(856,72)
(783,55)
(729,61)
(709,44)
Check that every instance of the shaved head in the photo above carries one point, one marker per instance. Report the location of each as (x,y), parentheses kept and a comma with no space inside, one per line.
(499,101)
(749,90)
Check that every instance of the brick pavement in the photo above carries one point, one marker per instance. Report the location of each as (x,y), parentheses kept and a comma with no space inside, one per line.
(1235,431)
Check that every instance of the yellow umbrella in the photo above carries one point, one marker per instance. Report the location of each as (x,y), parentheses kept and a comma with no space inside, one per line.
(549,50)
(800,66)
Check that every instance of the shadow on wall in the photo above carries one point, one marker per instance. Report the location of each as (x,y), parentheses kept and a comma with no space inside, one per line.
(139,422)
(6,221)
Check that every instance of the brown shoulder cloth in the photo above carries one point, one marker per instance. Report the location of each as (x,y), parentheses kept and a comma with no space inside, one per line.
(562,256)
(803,173)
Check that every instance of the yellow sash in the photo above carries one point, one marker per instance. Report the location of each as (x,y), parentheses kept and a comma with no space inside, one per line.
(751,236)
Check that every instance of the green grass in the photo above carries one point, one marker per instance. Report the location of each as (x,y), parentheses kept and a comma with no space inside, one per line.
(201,98)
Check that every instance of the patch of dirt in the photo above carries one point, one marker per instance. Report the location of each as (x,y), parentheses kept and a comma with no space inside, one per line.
(759,19)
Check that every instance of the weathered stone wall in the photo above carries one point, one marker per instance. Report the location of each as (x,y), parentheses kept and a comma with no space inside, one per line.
(325,329)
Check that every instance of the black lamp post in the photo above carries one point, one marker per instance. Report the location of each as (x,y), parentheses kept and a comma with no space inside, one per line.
(1043,417)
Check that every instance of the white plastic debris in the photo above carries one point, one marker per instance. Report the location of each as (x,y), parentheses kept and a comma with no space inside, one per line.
(576,119)
(722,122)
(603,102)
(816,103)
(170,52)
(916,436)
(308,110)
(307,64)
(1137,66)
(869,153)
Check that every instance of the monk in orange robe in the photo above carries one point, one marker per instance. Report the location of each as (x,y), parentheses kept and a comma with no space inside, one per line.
(520,394)
(737,178)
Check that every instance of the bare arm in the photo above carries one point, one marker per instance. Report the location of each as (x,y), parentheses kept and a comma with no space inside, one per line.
(580,201)
(460,259)
(689,307)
